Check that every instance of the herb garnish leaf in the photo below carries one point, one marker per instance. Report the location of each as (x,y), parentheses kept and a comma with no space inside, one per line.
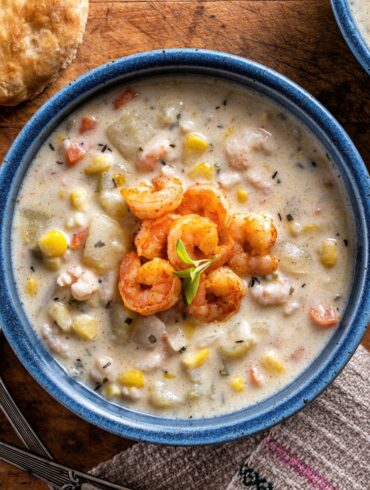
(191,275)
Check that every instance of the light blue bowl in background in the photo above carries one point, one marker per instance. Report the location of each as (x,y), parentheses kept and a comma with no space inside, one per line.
(126,422)
(351,33)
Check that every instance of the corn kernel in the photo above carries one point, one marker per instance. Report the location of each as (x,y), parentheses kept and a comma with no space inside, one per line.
(119,180)
(228,132)
(168,375)
(189,329)
(53,243)
(133,378)
(60,138)
(294,228)
(111,390)
(272,363)
(32,286)
(85,327)
(195,359)
(242,195)
(195,142)
(312,227)
(237,383)
(78,198)
(328,254)
(98,164)
(202,170)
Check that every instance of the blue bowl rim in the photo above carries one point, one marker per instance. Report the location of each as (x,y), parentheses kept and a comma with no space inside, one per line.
(146,427)
(351,33)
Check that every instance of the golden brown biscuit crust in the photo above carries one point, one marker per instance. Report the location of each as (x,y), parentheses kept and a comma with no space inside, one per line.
(38,38)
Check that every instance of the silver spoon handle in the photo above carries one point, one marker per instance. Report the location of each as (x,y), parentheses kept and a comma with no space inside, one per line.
(56,474)
(20,424)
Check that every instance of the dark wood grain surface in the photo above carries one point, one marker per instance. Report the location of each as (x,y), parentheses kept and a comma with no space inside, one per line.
(299,38)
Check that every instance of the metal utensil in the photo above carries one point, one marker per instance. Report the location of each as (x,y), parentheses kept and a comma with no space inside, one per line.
(20,424)
(51,472)
(71,479)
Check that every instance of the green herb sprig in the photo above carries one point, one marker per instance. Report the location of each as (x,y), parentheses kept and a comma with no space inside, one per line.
(190,276)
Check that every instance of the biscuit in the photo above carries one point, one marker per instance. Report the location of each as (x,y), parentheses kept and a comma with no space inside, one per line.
(38,38)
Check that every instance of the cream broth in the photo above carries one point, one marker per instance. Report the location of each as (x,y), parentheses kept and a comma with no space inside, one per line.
(361,14)
(265,162)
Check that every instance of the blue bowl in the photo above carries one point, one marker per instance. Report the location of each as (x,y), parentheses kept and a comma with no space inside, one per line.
(129,423)
(351,33)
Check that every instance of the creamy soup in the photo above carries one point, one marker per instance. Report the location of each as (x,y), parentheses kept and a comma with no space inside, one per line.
(361,14)
(182,246)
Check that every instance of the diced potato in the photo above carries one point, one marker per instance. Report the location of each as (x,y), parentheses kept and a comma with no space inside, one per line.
(202,170)
(130,133)
(113,204)
(328,254)
(195,143)
(99,163)
(194,393)
(272,363)
(161,396)
(237,349)
(53,243)
(105,245)
(32,286)
(237,383)
(242,195)
(85,327)
(33,222)
(112,390)
(195,359)
(60,314)
(133,378)
(240,341)
(52,263)
(122,322)
(293,259)
(78,198)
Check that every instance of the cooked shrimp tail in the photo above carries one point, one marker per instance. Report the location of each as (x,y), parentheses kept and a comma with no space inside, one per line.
(148,288)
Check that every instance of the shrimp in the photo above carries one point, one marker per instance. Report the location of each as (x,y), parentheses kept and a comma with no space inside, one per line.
(148,288)
(218,297)
(153,201)
(243,262)
(256,232)
(201,239)
(151,240)
(241,146)
(155,150)
(209,201)
(254,236)
(206,200)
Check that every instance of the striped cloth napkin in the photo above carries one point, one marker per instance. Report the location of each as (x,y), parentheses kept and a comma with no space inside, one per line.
(326,446)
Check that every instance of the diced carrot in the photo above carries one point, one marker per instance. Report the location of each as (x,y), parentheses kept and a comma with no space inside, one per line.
(88,123)
(255,377)
(78,239)
(324,316)
(74,153)
(126,96)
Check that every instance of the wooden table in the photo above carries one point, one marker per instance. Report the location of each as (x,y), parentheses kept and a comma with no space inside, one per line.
(299,38)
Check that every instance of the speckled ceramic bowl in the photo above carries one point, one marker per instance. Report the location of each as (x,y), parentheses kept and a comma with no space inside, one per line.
(120,420)
(351,33)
